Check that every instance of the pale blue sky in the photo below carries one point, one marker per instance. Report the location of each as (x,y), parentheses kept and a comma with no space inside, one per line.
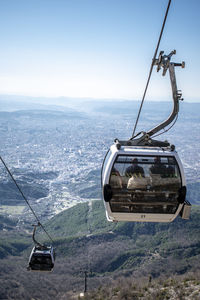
(96,48)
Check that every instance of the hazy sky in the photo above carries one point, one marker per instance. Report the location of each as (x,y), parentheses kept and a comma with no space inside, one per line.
(96,48)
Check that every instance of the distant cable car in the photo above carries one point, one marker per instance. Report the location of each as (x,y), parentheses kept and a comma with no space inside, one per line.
(143,179)
(42,258)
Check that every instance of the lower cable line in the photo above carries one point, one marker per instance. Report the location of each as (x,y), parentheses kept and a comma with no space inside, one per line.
(24,197)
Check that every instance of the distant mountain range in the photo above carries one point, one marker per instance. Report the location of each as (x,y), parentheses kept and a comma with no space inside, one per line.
(88,105)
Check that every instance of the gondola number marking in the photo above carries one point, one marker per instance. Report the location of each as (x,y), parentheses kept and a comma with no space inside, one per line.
(143,216)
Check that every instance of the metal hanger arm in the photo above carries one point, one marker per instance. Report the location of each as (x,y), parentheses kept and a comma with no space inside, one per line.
(33,236)
(164,62)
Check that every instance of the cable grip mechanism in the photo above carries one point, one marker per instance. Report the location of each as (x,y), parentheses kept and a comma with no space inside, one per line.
(163,61)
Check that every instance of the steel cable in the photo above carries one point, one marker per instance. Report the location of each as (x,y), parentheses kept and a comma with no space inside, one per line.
(151,68)
(24,197)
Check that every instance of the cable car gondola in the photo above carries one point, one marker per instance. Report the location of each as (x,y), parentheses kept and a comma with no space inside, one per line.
(42,258)
(142,178)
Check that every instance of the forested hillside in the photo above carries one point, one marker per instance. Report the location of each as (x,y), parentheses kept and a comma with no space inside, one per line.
(85,241)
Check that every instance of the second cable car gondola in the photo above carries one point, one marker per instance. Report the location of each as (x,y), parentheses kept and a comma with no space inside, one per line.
(42,257)
(143,179)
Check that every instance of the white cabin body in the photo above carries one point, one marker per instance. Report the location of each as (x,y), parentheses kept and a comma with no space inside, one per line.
(148,195)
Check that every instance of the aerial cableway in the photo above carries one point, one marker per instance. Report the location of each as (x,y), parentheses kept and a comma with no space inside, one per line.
(42,257)
(142,178)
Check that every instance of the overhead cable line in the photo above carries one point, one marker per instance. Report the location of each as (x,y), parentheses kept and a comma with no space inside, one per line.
(151,68)
(24,197)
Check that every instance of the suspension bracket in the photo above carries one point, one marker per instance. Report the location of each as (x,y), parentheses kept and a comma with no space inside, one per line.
(37,244)
(164,61)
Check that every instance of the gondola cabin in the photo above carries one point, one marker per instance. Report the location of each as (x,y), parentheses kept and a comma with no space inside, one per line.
(145,184)
(42,259)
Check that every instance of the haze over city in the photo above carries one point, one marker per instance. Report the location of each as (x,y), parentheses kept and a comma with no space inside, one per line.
(96,49)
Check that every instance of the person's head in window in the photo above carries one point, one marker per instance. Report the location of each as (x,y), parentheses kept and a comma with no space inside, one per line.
(157,160)
(135,161)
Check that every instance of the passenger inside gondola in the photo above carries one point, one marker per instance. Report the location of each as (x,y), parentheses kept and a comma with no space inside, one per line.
(145,184)
(115,179)
(134,169)
(170,169)
(158,167)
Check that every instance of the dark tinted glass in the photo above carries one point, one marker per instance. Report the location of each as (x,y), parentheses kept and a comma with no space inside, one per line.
(145,184)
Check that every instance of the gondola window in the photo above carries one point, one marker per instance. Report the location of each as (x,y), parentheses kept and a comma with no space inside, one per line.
(147,184)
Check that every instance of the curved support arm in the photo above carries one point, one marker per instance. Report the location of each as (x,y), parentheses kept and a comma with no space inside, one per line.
(164,61)
(145,140)
(33,236)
